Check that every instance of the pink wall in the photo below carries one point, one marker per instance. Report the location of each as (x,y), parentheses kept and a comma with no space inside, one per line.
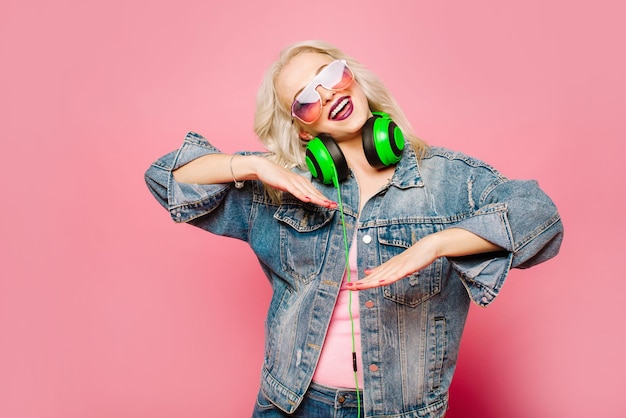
(107,309)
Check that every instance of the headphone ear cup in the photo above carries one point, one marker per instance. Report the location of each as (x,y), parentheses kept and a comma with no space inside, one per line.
(325,159)
(383,141)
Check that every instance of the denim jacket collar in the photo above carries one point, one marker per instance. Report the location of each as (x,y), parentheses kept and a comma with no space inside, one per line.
(407,173)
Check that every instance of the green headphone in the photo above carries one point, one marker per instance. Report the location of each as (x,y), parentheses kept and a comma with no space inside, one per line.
(383,143)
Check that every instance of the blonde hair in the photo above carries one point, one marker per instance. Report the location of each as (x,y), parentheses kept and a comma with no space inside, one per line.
(275,127)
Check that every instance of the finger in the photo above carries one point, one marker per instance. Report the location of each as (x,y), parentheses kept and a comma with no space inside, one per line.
(372,280)
(383,275)
(306,192)
(363,285)
(315,198)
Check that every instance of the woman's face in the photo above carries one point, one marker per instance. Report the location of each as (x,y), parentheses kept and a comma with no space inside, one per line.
(344,112)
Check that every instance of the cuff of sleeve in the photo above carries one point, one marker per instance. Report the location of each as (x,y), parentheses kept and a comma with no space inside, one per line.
(483,274)
(189,201)
(194,146)
(492,224)
(483,277)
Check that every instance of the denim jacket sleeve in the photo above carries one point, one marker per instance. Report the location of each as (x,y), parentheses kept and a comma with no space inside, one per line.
(513,214)
(191,202)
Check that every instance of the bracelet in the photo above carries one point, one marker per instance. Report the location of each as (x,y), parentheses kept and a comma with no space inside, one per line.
(238,184)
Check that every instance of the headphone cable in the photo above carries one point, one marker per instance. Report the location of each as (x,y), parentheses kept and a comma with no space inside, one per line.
(348,278)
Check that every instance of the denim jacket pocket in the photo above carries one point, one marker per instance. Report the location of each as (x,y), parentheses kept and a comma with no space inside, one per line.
(304,234)
(416,287)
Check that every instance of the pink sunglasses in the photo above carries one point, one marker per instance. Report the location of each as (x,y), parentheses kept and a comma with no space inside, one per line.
(307,106)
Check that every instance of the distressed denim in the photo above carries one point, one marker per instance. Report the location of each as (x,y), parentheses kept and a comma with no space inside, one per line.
(411,329)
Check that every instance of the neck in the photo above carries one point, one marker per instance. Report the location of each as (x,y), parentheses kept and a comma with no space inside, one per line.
(369,179)
(355,156)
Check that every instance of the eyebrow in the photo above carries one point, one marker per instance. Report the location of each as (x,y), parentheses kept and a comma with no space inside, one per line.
(319,70)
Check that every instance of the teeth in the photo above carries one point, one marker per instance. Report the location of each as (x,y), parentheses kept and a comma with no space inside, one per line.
(338,108)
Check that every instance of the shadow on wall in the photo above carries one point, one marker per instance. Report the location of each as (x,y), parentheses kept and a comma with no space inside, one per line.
(467,400)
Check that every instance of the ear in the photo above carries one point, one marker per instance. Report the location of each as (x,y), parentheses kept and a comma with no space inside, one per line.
(305,136)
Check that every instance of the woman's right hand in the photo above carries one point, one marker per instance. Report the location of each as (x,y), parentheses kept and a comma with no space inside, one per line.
(286,180)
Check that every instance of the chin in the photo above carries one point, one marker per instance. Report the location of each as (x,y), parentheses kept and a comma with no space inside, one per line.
(359,120)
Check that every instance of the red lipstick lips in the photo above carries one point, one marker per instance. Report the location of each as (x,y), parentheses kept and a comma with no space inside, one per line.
(341,109)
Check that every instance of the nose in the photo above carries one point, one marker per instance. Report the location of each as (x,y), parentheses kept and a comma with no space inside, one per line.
(325,94)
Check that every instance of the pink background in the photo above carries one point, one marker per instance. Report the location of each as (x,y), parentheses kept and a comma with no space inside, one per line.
(109,309)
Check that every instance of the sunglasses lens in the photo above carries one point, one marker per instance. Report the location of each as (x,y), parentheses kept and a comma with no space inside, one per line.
(336,76)
(306,112)
(308,105)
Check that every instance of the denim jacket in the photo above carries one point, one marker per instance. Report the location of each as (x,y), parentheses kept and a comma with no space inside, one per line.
(410,329)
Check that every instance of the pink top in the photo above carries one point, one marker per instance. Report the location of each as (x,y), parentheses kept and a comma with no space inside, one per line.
(334,368)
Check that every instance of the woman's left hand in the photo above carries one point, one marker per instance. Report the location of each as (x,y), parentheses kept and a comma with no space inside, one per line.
(453,242)
(413,259)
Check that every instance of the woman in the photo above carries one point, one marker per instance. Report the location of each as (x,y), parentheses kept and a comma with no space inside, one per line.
(373,266)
